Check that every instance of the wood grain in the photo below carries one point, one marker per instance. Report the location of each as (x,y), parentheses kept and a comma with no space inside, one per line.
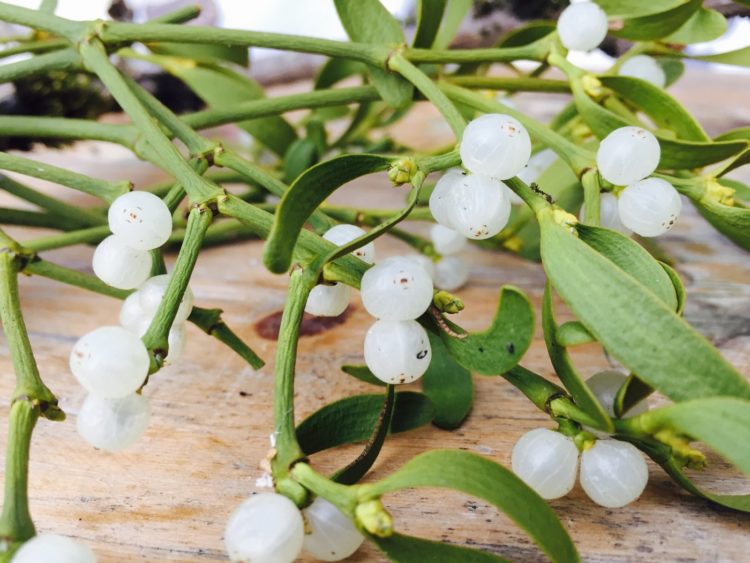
(168,498)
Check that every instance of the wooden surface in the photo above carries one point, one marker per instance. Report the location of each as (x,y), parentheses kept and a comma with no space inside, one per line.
(168,498)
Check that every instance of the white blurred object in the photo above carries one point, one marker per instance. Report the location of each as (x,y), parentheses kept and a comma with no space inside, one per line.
(736,37)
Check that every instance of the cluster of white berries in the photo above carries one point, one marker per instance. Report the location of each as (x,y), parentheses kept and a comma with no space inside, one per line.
(332,300)
(269,528)
(612,473)
(111,362)
(53,548)
(646,206)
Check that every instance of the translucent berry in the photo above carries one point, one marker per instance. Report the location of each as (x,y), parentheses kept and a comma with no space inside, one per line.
(343,234)
(613,473)
(120,265)
(646,68)
(649,207)
(152,292)
(546,461)
(332,535)
(582,26)
(328,300)
(110,362)
(113,424)
(447,241)
(627,155)
(132,314)
(266,528)
(481,207)
(51,548)
(424,261)
(495,145)
(451,273)
(441,197)
(609,213)
(605,385)
(141,219)
(396,289)
(397,351)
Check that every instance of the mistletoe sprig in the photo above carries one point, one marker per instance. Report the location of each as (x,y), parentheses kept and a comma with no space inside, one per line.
(511,183)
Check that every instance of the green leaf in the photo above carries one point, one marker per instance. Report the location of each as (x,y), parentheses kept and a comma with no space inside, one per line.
(573,333)
(735,502)
(679,287)
(407,549)
(336,70)
(741,190)
(674,153)
(362,373)
(353,419)
(500,347)
(526,34)
(565,369)
(357,469)
(723,423)
(305,195)
(635,8)
(663,109)
(455,14)
(703,25)
(673,69)
(741,133)
(632,392)
(485,479)
(300,156)
(429,15)
(660,24)
(448,385)
(367,21)
(219,86)
(632,323)
(633,259)
(203,52)
(740,57)
(732,222)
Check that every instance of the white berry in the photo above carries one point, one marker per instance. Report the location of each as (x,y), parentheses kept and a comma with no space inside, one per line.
(397,351)
(451,273)
(396,289)
(447,241)
(266,528)
(613,473)
(646,68)
(546,461)
(120,265)
(332,535)
(481,208)
(51,548)
(495,145)
(343,234)
(441,197)
(649,207)
(627,155)
(424,261)
(141,219)
(152,292)
(110,362)
(132,314)
(328,300)
(605,385)
(113,424)
(609,213)
(582,26)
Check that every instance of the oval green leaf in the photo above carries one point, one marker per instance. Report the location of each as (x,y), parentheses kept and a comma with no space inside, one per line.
(703,25)
(632,323)
(407,549)
(731,221)
(500,347)
(448,385)
(485,479)
(429,15)
(367,21)
(305,195)
(635,8)
(565,369)
(658,25)
(362,373)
